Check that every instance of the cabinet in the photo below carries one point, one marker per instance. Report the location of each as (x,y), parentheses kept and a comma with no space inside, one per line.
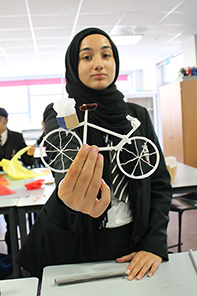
(147,100)
(178,103)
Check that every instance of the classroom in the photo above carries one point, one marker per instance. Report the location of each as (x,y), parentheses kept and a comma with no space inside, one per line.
(128,70)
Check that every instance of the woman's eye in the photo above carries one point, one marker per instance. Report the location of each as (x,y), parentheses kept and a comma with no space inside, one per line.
(106,55)
(86,58)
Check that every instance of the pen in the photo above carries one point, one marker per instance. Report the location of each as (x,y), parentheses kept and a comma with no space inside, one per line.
(88,278)
(193,259)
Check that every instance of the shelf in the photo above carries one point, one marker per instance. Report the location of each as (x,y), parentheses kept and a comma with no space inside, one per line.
(147,100)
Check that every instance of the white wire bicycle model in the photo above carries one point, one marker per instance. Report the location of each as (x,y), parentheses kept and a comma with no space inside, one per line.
(142,154)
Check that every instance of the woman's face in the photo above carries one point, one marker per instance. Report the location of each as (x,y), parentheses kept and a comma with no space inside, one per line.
(3,124)
(97,67)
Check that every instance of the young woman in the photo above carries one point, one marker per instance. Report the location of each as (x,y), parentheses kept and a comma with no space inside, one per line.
(85,219)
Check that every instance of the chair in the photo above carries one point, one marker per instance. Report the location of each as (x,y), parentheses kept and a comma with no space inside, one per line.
(181,203)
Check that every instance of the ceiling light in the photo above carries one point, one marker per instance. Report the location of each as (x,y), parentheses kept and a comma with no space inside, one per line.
(126,39)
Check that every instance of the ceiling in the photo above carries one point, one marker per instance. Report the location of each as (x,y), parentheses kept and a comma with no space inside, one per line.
(34,34)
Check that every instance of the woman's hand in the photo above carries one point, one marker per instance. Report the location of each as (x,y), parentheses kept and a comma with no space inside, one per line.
(141,263)
(80,187)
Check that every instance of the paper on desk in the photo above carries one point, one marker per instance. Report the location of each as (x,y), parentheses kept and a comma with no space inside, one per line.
(36,197)
(4,181)
(4,190)
(20,192)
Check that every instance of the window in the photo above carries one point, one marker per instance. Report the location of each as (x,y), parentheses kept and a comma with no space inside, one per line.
(170,68)
(26,102)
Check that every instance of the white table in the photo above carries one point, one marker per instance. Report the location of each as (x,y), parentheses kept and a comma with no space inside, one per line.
(185,179)
(176,277)
(24,201)
(34,201)
(19,287)
(32,204)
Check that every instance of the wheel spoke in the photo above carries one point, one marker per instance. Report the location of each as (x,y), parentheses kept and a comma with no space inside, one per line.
(63,152)
(144,158)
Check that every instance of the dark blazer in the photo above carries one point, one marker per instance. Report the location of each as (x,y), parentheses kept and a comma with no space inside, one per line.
(14,143)
(62,236)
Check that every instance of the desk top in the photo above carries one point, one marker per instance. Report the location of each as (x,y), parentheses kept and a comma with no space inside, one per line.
(19,287)
(24,197)
(8,203)
(36,197)
(176,277)
(186,176)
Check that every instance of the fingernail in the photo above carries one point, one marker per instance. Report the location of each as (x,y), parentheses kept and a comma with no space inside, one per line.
(100,157)
(94,149)
(139,277)
(128,271)
(150,274)
(85,147)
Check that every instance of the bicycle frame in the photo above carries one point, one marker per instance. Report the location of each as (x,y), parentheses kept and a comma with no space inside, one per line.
(125,138)
(139,157)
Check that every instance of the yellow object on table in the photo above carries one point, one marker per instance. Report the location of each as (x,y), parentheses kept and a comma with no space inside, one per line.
(14,168)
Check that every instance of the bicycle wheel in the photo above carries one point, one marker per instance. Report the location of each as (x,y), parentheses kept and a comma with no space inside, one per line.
(59,148)
(138,158)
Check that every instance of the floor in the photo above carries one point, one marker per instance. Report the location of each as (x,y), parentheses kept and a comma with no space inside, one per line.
(189,232)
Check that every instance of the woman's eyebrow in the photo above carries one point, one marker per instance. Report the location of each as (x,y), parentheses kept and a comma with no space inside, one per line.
(91,49)
(85,48)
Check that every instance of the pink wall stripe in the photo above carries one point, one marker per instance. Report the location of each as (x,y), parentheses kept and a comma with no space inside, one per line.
(42,81)
(122,77)
(31,82)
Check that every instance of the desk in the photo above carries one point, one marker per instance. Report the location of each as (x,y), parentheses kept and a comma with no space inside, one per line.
(32,204)
(16,208)
(176,277)
(19,287)
(185,179)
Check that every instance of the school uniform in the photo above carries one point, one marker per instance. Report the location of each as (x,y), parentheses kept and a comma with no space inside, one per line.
(14,143)
(62,236)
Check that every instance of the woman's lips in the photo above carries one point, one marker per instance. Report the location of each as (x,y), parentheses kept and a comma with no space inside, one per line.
(99,76)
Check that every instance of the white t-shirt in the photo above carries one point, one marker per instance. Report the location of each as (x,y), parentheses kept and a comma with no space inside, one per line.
(119,214)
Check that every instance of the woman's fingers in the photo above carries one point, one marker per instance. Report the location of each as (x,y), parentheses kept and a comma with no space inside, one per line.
(141,263)
(68,184)
(91,172)
(75,169)
(102,204)
(80,187)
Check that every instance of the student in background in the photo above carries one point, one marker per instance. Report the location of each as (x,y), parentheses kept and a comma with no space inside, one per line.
(84,220)
(10,143)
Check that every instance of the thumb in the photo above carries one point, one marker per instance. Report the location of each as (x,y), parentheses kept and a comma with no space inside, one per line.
(126,258)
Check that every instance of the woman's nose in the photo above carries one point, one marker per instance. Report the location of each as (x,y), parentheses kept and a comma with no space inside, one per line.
(98,63)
